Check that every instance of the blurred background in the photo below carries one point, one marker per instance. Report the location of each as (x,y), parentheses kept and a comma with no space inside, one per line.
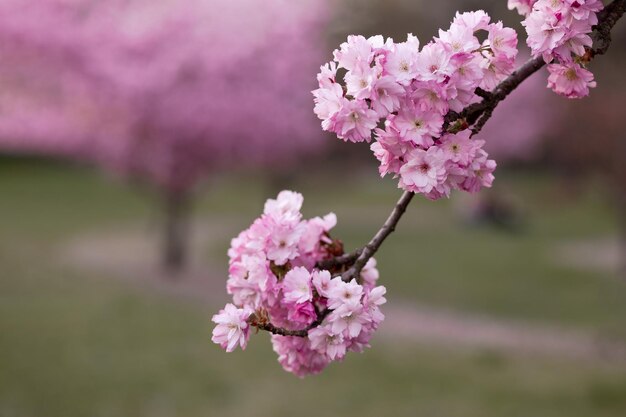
(137,137)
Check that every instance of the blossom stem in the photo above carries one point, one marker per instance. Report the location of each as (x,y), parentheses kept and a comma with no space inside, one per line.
(370,249)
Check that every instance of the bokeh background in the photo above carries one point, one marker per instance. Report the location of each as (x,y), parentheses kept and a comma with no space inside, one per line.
(138,137)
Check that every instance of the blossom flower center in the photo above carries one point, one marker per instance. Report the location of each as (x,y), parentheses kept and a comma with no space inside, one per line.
(570,74)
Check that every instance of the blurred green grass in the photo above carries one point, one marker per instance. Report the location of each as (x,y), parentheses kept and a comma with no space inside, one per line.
(76,343)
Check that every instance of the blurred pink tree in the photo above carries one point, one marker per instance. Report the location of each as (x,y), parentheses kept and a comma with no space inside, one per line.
(530,117)
(165,92)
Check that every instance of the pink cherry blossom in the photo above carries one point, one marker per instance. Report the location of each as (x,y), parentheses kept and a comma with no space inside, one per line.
(523,6)
(344,293)
(232,328)
(327,342)
(424,170)
(355,121)
(416,124)
(297,286)
(295,294)
(570,80)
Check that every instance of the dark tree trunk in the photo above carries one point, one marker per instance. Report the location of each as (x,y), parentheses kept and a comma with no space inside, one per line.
(176,232)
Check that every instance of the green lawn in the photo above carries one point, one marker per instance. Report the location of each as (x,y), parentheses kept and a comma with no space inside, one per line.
(74,343)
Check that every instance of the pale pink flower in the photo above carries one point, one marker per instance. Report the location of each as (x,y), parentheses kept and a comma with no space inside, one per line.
(523,6)
(283,239)
(479,173)
(424,170)
(296,355)
(231,328)
(458,148)
(287,205)
(327,342)
(322,282)
(459,38)
(297,286)
(502,40)
(389,149)
(315,231)
(477,20)
(355,121)
(327,75)
(372,301)
(348,320)
(417,125)
(401,60)
(369,273)
(344,293)
(433,63)
(386,95)
(570,80)
(328,101)
(354,54)
(430,95)
(360,84)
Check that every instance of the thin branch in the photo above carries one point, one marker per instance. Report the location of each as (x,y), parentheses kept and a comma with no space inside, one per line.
(269,327)
(339,261)
(370,249)
(476,114)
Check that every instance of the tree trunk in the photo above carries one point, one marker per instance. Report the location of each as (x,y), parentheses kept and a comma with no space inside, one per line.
(175,243)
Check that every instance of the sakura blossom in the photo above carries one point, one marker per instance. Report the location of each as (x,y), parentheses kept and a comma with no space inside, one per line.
(232,328)
(570,80)
(559,30)
(288,275)
(323,317)
(397,95)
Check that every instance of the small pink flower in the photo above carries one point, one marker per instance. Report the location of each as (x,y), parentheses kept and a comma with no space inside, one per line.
(327,342)
(297,286)
(232,327)
(570,80)
(458,148)
(355,121)
(424,170)
(342,293)
(322,282)
(477,20)
(354,54)
(523,6)
(287,205)
(502,40)
(389,149)
(386,94)
(402,59)
(416,124)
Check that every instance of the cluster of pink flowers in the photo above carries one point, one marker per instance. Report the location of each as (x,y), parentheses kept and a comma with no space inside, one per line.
(559,31)
(400,93)
(273,279)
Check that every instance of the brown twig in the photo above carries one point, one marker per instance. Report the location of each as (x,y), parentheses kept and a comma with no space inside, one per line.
(370,249)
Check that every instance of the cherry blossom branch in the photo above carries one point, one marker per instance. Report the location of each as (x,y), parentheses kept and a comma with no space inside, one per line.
(339,261)
(269,327)
(475,115)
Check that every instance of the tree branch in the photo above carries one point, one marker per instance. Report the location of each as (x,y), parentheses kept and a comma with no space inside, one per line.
(476,114)
(370,249)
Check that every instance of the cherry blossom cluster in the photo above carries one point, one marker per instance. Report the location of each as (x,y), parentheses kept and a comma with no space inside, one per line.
(399,94)
(276,286)
(559,30)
